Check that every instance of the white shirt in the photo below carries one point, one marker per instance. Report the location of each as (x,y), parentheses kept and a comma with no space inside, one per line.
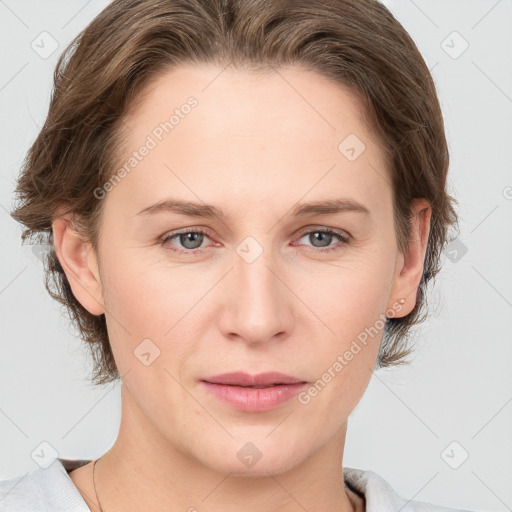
(52,490)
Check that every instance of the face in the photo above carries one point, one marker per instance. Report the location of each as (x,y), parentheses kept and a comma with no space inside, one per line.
(268,283)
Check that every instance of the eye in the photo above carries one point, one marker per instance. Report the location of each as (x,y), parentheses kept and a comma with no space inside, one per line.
(321,238)
(190,240)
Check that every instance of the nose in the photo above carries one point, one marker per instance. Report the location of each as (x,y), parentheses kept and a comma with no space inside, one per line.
(258,307)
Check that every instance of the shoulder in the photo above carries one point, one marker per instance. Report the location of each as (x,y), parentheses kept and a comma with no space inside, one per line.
(47,489)
(381,497)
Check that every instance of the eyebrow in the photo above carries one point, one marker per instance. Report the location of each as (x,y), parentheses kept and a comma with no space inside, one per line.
(192,209)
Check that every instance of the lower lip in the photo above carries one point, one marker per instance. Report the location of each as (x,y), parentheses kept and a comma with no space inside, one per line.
(254,399)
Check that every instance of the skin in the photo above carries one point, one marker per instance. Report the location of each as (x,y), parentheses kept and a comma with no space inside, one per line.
(254,146)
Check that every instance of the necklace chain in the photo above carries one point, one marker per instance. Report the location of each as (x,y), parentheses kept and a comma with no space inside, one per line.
(94,485)
(99,502)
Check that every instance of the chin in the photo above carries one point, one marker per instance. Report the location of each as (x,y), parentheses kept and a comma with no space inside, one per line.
(255,456)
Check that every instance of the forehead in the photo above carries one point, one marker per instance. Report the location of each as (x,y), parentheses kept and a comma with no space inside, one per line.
(243,134)
(243,103)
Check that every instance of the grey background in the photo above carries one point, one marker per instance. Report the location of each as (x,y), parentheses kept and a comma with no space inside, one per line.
(459,387)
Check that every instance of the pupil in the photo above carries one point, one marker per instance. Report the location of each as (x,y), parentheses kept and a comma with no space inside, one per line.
(188,238)
(321,236)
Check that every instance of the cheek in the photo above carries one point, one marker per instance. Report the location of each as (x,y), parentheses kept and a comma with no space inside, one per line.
(345,358)
(348,295)
(351,303)
(144,297)
(152,302)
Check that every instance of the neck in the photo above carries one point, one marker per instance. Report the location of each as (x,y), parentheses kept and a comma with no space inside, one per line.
(144,471)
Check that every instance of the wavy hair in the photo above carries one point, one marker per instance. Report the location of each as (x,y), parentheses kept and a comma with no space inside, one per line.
(99,76)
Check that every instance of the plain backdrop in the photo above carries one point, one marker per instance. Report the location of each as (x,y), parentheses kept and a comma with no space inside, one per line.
(438,430)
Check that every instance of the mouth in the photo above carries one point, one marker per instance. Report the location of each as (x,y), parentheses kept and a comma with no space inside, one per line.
(253,393)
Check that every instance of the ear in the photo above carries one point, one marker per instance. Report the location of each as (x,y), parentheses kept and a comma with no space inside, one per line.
(78,260)
(409,267)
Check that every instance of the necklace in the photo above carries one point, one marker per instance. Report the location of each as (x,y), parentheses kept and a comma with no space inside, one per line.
(94,485)
(99,503)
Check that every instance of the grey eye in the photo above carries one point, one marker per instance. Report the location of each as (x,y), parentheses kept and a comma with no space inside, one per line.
(192,240)
(323,239)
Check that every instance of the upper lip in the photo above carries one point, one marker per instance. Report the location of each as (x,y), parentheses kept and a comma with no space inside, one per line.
(244,379)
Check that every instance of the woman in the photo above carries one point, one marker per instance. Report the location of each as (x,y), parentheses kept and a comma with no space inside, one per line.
(245,202)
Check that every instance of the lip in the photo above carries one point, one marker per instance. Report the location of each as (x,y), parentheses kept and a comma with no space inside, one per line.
(245,379)
(233,388)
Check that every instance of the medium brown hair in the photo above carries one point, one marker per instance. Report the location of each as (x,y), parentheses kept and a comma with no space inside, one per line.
(356,43)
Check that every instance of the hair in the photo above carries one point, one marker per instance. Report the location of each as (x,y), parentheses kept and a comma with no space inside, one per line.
(103,72)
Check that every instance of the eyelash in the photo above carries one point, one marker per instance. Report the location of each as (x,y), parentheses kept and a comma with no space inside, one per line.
(344,238)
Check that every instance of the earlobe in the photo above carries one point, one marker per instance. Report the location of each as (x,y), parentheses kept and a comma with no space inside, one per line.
(411,264)
(79,262)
